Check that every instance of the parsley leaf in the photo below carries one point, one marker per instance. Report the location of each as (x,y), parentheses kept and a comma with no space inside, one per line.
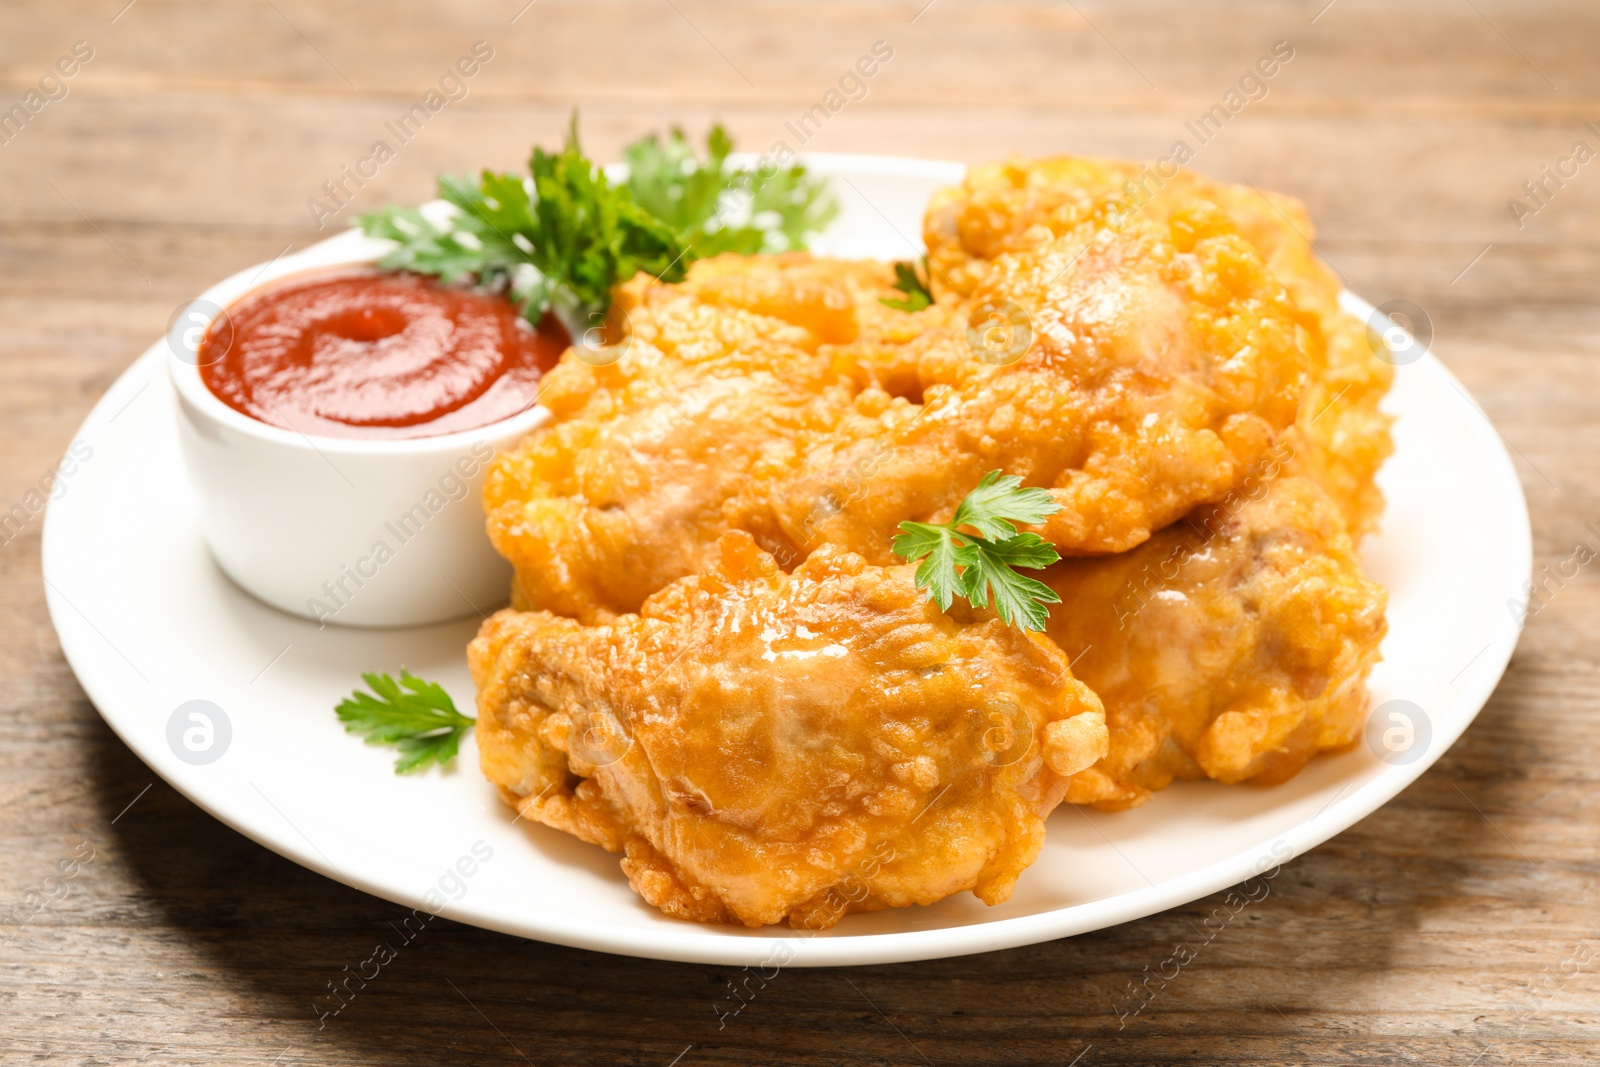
(423,247)
(560,238)
(415,716)
(983,565)
(915,286)
(988,568)
(590,235)
(716,207)
(999,501)
(942,547)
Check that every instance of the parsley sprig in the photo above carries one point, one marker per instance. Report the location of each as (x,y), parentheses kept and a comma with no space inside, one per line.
(558,240)
(563,237)
(717,207)
(914,285)
(976,553)
(413,715)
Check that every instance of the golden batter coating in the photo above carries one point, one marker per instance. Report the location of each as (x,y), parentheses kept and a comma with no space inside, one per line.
(1134,373)
(1234,645)
(767,746)
(625,491)
(1006,208)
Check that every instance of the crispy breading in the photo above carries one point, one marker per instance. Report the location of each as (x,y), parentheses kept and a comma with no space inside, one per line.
(1234,645)
(1006,208)
(624,491)
(767,746)
(1134,373)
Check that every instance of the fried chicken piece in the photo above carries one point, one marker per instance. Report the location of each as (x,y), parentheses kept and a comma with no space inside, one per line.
(767,746)
(623,492)
(1133,372)
(1340,437)
(1234,645)
(1002,209)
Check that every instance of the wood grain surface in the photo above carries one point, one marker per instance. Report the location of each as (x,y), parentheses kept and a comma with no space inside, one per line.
(1458,925)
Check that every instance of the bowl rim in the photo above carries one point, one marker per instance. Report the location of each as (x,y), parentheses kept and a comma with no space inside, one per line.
(349,249)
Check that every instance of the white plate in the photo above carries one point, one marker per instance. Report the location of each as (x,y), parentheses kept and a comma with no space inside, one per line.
(148,623)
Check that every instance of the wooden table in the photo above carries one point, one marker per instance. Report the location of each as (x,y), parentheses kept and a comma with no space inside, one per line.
(1455,926)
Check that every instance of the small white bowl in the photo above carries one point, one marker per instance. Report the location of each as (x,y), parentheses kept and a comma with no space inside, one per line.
(345,531)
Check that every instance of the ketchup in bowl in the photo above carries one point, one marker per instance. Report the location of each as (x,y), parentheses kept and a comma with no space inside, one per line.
(374,355)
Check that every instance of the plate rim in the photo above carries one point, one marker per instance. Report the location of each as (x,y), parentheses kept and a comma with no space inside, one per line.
(691,944)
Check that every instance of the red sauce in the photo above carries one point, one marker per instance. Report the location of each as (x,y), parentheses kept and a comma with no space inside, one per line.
(377,356)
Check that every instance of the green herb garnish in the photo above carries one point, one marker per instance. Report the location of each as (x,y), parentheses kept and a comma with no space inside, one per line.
(562,238)
(561,246)
(976,564)
(415,716)
(715,207)
(915,286)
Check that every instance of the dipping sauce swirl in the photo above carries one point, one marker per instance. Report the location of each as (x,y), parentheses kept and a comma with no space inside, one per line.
(375,355)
